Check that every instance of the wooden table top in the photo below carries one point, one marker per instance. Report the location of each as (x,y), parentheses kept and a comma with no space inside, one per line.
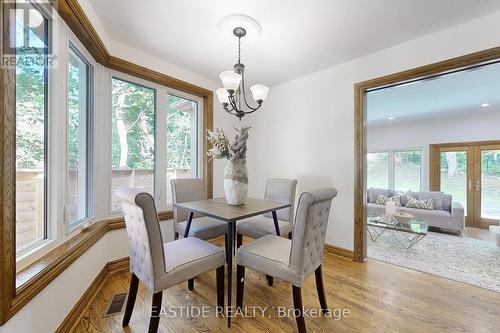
(219,209)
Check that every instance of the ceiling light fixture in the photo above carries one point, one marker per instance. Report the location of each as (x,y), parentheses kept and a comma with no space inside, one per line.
(484,105)
(233,93)
(390,118)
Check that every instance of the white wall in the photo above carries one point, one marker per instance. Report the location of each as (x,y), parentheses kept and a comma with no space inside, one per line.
(419,134)
(306,127)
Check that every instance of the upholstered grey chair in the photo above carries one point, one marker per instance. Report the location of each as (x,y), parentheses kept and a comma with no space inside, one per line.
(161,265)
(203,227)
(292,260)
(279,190)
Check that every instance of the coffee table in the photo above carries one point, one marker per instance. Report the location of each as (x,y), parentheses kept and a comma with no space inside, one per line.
(408,234)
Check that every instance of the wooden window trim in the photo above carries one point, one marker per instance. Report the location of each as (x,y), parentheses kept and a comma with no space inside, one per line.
(46,269)
(360,89)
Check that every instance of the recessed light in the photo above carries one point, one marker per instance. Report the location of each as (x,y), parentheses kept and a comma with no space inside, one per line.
(484,105)
(390,118)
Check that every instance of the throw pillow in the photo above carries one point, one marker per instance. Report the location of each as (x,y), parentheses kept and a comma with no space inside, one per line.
(403,196)
(374,192)
(382,199)
(437,198)
(419,204)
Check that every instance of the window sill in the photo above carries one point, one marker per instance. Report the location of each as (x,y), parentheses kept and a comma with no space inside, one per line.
(36,276)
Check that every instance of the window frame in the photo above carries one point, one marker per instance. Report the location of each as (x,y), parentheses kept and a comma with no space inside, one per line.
(89,142)
(161,113)
(25,252)
(145,84)
(392,165)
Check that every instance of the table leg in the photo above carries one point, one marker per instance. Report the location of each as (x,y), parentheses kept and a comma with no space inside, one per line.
(276,224)
(186,234)
(188,225)
(229,254)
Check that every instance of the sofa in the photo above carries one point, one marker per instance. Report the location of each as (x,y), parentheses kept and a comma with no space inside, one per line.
(448,214)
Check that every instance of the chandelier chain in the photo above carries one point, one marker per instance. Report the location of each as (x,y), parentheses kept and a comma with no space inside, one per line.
(239,50)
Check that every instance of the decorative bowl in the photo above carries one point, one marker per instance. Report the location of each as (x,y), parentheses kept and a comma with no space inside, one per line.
(403,217)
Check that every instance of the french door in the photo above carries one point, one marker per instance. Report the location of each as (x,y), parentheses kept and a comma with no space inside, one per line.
(470,172)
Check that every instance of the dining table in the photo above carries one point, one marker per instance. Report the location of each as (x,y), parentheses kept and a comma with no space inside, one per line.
(219,209)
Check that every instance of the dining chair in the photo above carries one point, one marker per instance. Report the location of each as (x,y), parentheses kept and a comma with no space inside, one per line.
(292,260)
(203,227)
(159,265)
(280,190)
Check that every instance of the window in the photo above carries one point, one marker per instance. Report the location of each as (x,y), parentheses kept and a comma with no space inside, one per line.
(132,138)
(31,127)
(79,145)
(378,170)
(407,170)
(399,170)
(182,137)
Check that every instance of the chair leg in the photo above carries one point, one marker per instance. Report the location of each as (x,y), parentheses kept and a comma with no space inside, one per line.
(239,240)
(299,310)
(240,285)
(290,235)
(132,293)
(227,247)
(321,289)
(269,280)
(220,286)
(154,321)
(191,284)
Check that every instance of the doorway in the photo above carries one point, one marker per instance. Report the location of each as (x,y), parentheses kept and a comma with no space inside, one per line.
(470,171)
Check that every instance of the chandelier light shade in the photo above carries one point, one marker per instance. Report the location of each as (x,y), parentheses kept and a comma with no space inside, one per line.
(222,96)
(259,92)
(233,96)
(230,80)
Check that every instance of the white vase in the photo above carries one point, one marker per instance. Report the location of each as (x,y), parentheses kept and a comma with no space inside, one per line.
(236,182)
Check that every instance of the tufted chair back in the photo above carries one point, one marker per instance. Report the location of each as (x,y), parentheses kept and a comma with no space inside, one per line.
(186,189)
(145,244)
(281,190)
(309,231)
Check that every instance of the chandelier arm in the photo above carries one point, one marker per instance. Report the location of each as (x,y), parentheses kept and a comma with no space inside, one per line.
(232,101)
(245,95)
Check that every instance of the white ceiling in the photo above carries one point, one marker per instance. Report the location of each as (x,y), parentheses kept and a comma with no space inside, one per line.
(451,94)
(298,37)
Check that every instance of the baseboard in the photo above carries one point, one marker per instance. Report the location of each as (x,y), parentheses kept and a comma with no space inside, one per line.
(81,307)
(339,251)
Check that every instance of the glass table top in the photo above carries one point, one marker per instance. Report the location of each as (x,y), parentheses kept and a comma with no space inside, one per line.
(414,226)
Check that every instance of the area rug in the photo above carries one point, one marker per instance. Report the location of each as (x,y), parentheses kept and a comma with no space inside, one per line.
(476,262)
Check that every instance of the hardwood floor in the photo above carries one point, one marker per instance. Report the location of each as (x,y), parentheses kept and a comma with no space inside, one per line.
(379,296)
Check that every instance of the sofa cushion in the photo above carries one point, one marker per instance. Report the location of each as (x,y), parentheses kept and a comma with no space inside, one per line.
(437,198)
(447,199)
(374,192)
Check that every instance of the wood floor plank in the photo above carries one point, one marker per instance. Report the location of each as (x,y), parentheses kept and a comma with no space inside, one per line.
(381,298)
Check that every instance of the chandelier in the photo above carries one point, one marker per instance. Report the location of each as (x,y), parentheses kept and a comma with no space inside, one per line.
(233,95)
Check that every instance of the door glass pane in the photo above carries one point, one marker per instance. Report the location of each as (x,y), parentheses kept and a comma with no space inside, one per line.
(78,140)
(407,170)
(132,141)
(490,184)
(181,140)
(378,170)
(454,175)
(31,125)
